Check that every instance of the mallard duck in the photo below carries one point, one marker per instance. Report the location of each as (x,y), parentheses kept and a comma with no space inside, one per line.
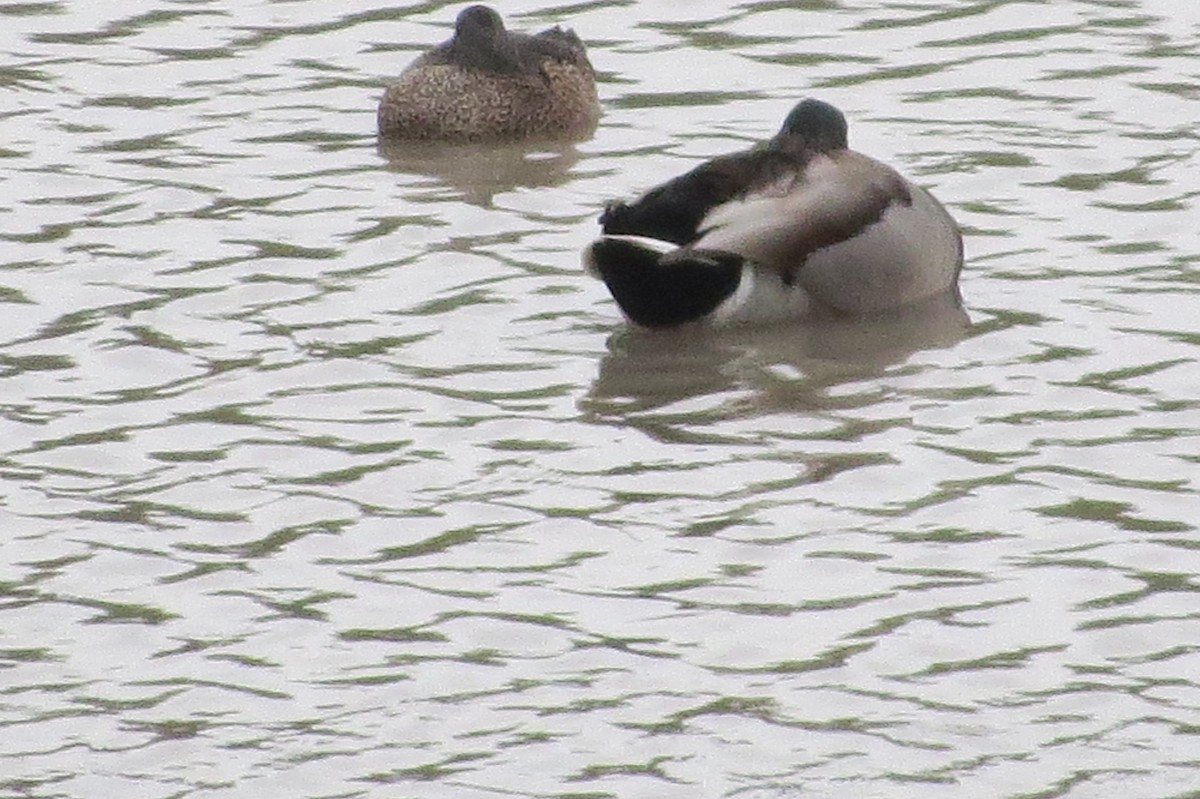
(491,84)
(797,227)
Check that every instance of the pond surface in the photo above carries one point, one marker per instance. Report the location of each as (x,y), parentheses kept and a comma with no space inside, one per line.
(327,473)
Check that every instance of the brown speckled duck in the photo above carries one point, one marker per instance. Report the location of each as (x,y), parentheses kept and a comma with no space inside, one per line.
(798,227)
(491,84)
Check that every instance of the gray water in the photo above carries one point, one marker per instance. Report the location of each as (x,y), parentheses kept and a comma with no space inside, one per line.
(327,473)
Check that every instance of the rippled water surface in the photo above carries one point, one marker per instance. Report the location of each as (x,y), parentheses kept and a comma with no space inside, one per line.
(327,473)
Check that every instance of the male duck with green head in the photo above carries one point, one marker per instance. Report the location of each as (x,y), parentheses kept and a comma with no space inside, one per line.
(798,227)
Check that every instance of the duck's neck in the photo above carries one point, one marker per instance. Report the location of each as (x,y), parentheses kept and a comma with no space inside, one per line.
(497,53)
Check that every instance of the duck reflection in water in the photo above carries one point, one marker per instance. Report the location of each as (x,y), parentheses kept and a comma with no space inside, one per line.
(643,370)
(797,228)
(476,173)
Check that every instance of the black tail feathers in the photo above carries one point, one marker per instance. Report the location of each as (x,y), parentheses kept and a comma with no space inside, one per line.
(657,290)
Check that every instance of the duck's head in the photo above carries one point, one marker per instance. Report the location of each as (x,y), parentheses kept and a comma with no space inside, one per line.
(478,25)
(814,125)
(482,42)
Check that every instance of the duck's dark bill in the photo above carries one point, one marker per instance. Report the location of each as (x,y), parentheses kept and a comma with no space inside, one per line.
(654,291)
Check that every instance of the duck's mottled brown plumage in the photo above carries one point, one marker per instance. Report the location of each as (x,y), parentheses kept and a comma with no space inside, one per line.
(491,84)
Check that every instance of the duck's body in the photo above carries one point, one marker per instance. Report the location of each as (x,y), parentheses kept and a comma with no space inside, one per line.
(491,84)
(798,227)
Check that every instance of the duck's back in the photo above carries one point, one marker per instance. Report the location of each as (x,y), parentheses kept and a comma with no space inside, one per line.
(680,210)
